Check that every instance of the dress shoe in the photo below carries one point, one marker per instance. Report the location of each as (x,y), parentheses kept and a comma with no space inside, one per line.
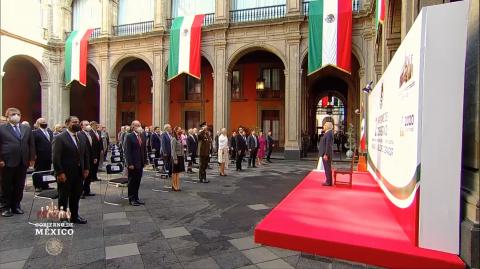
(18,211)
(79,220)
(90,194)
(7,213)
(206,181)
(326,184)
(38,189)
(82,196)
(140,201)
(269,161)
(134,203)
(254,166)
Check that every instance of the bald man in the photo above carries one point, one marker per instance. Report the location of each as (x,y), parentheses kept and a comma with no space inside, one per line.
(43,138)
(325,150)
(135,157)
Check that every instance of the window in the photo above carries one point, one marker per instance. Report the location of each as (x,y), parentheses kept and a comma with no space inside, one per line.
(87,14)
(127,117)
(134,11)
(356,5)
(193,88)
(129,89)
(237,92)
(271,122)
(192,7)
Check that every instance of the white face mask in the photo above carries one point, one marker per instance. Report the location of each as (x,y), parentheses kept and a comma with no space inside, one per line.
(88,128)
(15,118)
(139,130)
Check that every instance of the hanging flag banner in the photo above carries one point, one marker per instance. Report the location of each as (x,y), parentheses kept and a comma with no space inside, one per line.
(380,12)
(185,40)
(76,56)
(329,35)
(325,101)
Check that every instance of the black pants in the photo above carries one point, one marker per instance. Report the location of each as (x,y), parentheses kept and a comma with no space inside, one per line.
(134,179)
(269,153)
(202,172)
(41,165)
(167,162)
(239,161)
(233,154)
(13,183)
(92,175)
(69,192)
(328,170)
(190,163)
(253,156)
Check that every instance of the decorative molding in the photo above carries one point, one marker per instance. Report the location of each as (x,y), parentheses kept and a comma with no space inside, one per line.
(24,39)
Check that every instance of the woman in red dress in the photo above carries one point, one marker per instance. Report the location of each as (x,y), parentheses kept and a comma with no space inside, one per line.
(262,146)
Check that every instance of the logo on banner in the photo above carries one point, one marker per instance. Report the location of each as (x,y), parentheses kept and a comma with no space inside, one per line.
(330,18)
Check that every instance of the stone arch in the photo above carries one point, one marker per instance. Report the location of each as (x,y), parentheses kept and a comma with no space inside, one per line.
(42,70)
(242,51)
(203,53)
(356,51)
(118,65)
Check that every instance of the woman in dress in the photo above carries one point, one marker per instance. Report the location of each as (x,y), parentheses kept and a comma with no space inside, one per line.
(223,148)
(262,146)
(178,158)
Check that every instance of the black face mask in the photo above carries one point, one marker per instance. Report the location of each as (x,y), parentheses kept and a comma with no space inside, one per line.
(43,125)
(76,128)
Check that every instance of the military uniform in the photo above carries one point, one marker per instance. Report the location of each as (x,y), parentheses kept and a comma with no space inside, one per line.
(204,145)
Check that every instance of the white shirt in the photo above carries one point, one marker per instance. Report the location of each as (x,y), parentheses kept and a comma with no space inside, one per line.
(72,136)
(223,142)
(45,132)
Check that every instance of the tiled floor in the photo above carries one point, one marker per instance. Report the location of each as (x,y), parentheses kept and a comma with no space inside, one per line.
(204,226)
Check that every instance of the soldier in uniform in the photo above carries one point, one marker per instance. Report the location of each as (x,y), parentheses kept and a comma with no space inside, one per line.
(204,145)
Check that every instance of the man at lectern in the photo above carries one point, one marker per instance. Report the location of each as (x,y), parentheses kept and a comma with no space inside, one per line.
(325,150)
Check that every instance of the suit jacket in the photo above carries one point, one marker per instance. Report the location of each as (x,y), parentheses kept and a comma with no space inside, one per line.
(269,142)
(67,157)
(87,145)
(97,144)
(135,152)
(166,148)
(204,143)
(43,145)
(155,142)
(325,147)
(251,142)
(241,143)
(191,145)
(233,142)
(15,151)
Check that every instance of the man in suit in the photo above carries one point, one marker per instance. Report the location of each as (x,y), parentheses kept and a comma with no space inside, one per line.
(71,164)
(252,143)
(155,141)
(97,149)
(241,147)
(43,138)
(135,157)
(325,150)
(166,148)
(204,146)
(87,136)
(270,145)
(195,135)
(233,146)
(148,136)
(17,153)
(191,149)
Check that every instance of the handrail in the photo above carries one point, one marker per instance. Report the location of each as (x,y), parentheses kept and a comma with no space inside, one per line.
(133,28)
(258,13)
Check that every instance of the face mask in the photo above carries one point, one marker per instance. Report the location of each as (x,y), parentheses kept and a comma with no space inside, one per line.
(88,128)
(127,129)
(15,118)
(43,125)
(139,130)
(76,128)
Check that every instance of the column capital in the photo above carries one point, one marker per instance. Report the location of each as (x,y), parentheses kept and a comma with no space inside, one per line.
(113,83)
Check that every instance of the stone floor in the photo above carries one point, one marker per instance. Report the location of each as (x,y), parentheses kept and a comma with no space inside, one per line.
(203,226)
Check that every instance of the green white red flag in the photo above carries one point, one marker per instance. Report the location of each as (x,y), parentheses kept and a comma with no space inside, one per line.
(185,40)
(329,35)
(76,56)
(380,12)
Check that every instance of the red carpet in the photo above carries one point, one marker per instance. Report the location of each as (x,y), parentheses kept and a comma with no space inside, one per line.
(351,224)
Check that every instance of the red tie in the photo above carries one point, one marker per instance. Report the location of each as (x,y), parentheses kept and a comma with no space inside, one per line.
(139,140)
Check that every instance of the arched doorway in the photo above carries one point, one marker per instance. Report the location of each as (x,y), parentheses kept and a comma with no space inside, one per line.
(21,87)
(333,95)
(134,93)
(85,100)
(253,107)
(191,99)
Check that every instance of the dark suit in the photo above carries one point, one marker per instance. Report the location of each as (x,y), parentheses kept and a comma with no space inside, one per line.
(253,146)
(156,144)
(204,145)
(166,151)
(72,159)
(269,146)
(325,147)
(241,146)
(135,155)
(192,150)
(97,148)
(16,151)
(89,146)
(233,147)
(43,148)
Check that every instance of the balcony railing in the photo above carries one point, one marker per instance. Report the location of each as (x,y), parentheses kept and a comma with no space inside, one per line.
(355,6)
(133,28)
(95,34)
(258,14)
(269,94)
(208,20)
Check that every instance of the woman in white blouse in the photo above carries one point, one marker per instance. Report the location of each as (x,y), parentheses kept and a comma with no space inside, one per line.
(223,150)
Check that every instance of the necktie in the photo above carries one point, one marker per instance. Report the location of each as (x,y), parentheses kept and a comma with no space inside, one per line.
(139,140)
(17,131)
(46,134)
(76,140)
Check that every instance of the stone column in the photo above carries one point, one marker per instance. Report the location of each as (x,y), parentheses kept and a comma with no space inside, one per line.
(222,11)
(294,7)
(221,94)
(106,101)
(53,99)
(160,17)
(159,90)
(58,28)
(106,26)
(111,109)
(292,101)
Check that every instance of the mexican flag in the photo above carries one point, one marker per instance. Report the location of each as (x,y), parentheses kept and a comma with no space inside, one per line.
(363,136)
(329,35)
(76,55)
(185,39)
(380,12)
